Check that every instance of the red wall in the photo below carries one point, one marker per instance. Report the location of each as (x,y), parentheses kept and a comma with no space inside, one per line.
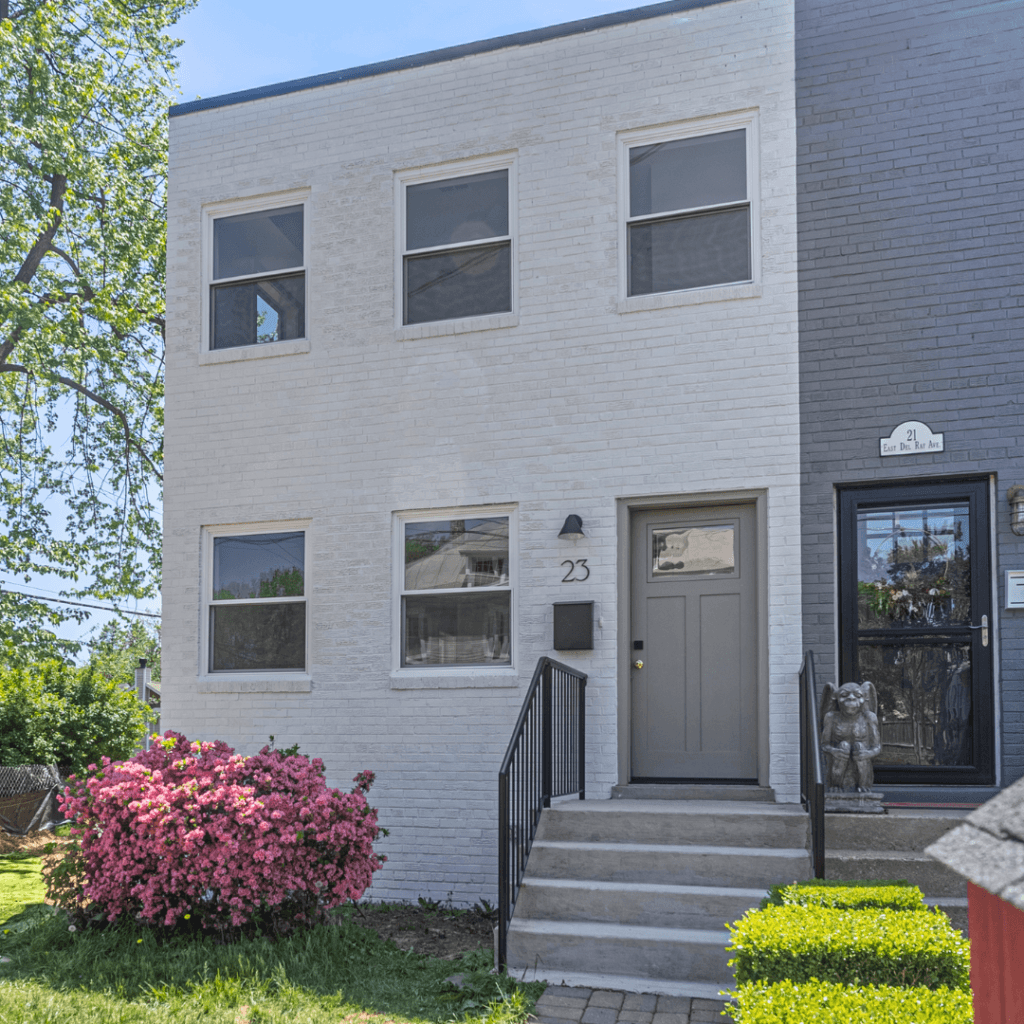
(997,958)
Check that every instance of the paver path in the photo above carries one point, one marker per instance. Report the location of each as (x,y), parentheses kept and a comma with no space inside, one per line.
(562,1005)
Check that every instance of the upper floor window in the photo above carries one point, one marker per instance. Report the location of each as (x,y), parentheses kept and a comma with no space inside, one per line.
(257,601)
(258,281)
(689,213)
(457,247)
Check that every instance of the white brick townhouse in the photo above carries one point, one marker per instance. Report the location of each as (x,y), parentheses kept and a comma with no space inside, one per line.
(421,313)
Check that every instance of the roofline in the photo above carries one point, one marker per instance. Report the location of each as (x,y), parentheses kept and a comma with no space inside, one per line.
(418,60)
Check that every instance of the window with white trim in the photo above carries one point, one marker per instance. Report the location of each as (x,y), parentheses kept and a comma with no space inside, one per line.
(257,601)
(688,219)
(257,277)
(456,247)
(456,592)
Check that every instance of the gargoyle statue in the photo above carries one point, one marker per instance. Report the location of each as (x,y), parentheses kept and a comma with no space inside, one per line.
(850,737)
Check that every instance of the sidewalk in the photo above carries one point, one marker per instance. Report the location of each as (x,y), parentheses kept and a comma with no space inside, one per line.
(561,1005)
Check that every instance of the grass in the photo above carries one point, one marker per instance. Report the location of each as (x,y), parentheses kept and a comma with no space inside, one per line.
(333,974)
(20,884)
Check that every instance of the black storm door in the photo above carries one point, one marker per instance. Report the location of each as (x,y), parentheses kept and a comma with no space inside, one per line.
(915,618)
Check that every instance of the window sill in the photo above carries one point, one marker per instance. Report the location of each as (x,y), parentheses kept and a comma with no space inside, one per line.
(454,679)
(266,351)
(691,297)
(442,328)
(285,683)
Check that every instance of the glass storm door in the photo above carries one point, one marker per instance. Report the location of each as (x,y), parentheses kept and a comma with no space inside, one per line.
(916,620)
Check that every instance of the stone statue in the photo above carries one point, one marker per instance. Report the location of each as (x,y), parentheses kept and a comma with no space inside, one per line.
(850,740)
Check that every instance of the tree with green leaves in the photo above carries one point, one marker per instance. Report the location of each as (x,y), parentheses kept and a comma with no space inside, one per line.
(54,713)
(84,90)
(119,645)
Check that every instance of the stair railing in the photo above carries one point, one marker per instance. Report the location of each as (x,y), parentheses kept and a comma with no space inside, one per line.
(812,781)
(546,757)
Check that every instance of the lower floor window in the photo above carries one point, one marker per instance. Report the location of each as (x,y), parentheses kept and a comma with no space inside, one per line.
(456,592)
(257,607)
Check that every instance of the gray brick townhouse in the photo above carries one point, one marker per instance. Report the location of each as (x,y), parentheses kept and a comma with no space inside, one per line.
(910,175)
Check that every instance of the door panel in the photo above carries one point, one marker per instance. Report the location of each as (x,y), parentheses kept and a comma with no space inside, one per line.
(915,593)
(694,700)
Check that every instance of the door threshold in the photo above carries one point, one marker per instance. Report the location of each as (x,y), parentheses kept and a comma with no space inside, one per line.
(676,790)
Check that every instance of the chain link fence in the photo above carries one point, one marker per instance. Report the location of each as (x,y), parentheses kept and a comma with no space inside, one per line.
(28,798)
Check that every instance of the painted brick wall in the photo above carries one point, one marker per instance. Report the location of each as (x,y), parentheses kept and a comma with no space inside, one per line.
(567,410)
(911,176)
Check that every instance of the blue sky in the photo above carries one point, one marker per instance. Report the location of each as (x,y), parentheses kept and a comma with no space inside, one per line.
(231,45)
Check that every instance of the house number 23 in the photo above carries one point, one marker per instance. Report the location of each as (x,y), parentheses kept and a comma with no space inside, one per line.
(575,568)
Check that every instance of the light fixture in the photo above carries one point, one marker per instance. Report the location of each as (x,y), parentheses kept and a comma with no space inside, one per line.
(1015,496)
(573,527)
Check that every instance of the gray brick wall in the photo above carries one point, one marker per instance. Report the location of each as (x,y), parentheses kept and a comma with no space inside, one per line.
(910,181)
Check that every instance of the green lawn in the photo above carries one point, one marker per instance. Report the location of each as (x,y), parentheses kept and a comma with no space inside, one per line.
(20,884)
(333,974)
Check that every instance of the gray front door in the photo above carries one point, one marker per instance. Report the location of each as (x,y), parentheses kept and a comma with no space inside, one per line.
(694,694)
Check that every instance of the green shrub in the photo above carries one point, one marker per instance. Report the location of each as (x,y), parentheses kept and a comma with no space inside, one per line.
(852,947)
(827,1003)
(55,713)
(846,895)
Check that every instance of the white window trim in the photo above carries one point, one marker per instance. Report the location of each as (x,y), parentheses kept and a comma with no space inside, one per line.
(229,208)
(446,676)
(746,119)
(440,172)
(243,680)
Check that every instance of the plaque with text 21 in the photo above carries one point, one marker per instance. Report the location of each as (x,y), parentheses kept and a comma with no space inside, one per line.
(911,438)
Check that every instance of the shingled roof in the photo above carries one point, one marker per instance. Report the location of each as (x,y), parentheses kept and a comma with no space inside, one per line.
(988,849)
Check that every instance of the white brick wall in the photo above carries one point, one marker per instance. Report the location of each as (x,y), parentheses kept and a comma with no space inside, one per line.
(575,406)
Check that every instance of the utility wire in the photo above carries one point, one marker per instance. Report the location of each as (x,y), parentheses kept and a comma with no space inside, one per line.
(81,604)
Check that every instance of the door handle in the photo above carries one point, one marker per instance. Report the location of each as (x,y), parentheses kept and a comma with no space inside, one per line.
(984,630)
(638,664)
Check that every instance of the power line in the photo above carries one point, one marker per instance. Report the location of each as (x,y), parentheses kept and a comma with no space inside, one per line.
(81,604)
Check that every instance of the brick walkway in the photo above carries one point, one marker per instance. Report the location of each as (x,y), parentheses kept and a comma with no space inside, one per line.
(561,1005)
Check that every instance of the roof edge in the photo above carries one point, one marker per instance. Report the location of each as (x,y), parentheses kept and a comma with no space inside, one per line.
(539,35)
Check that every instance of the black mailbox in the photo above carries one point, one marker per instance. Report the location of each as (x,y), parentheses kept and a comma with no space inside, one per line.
(574,626)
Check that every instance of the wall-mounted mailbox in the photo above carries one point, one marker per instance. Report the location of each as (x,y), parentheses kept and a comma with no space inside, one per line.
(574,626)
(1015,588)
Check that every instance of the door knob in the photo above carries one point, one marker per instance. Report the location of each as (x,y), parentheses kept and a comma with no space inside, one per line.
(638,664)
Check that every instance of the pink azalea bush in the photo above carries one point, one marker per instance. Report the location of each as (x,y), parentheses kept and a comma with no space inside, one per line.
(194,831)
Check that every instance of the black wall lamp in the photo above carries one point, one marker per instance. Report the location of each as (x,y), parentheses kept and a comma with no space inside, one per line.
(573,527)
(1015,496)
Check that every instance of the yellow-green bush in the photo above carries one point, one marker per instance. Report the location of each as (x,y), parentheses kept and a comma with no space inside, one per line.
(846,895)
(816,1002)
(851,947)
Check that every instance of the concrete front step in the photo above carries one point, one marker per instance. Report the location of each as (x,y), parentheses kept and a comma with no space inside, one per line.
(684,822)
(642,952)
(637,903)
(933,878)
(904,829)
(666,864)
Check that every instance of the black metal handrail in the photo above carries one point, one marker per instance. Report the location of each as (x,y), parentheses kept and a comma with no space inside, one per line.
(812,781)
(546,757)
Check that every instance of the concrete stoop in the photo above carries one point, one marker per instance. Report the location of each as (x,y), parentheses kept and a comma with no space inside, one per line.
(641,890)
(891,846)
(634,893)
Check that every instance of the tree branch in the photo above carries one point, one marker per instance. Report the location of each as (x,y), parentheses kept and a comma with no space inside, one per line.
(58,186)
(130,442)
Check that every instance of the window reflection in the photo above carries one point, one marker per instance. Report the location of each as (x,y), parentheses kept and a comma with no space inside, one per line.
(924,702)
(913,567)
